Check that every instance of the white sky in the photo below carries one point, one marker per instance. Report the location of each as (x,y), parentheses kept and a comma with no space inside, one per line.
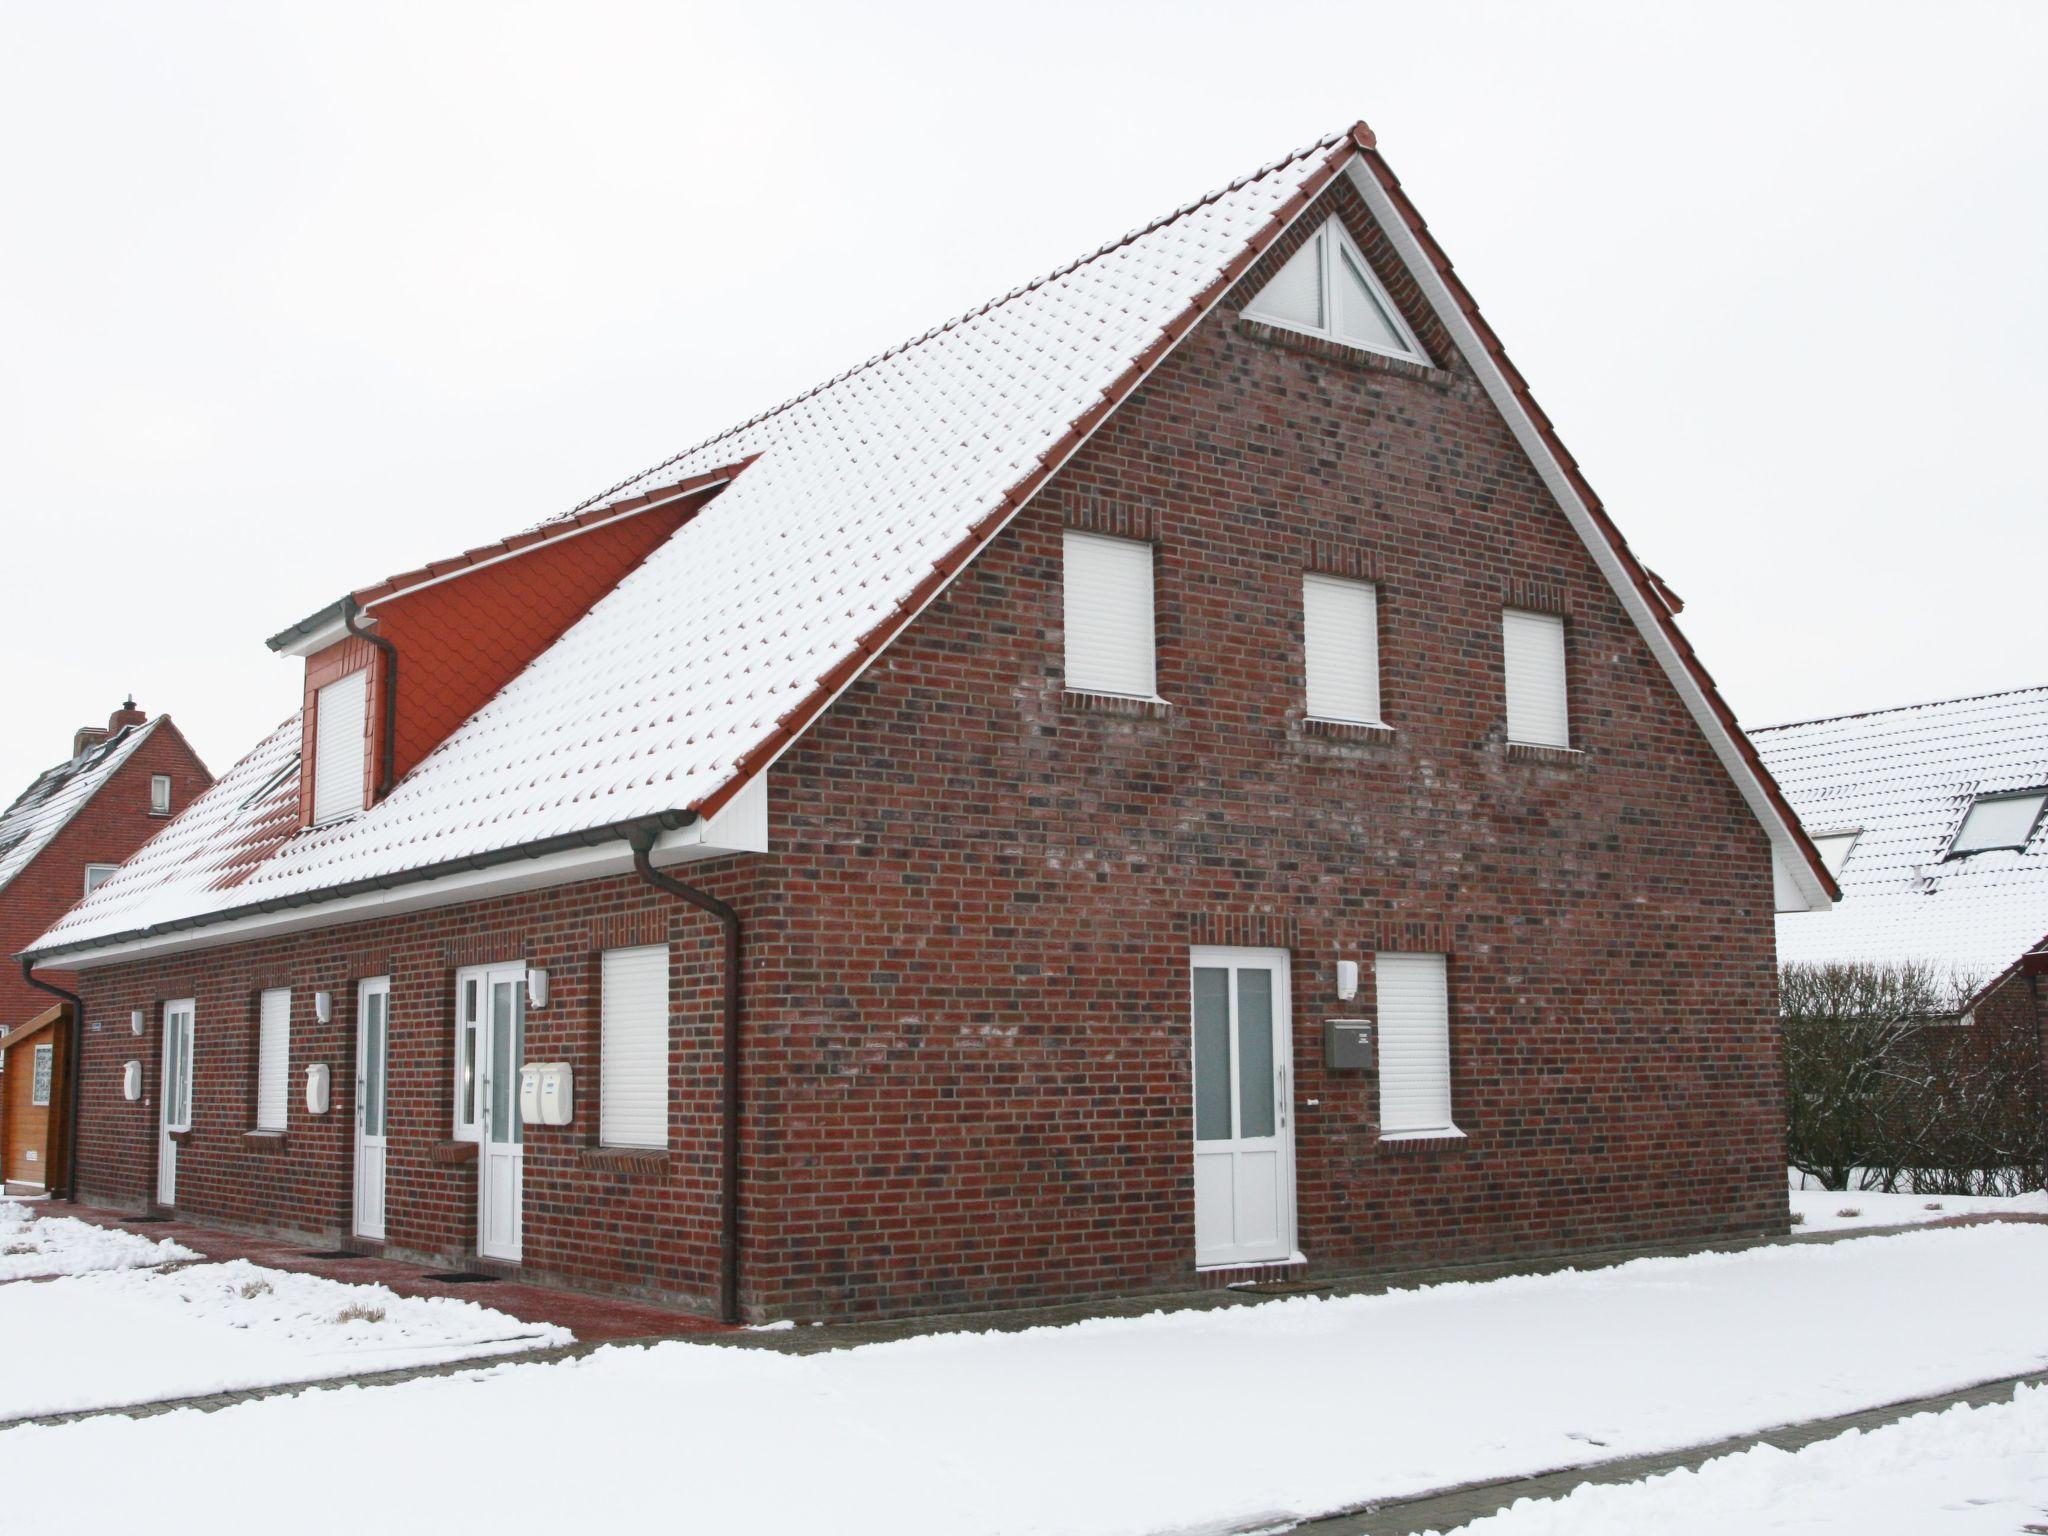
(295,296)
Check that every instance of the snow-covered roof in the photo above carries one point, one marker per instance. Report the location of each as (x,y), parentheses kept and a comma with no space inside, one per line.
(853,506)
(42,810)
(858,493)
(1905,778)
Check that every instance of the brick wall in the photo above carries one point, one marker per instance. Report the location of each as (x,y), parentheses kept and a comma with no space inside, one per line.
(967,985)
(641,1223)
(106,830)
(981,1056)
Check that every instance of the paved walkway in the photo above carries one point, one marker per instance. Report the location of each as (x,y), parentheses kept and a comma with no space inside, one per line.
(594,1319)
(1452,1507)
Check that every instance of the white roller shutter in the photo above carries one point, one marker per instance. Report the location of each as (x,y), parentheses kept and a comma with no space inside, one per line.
(633,1094)
(1415,1043)
(338,748)
(1340,630)
(1533,645)
(273,1059)
(1108,588)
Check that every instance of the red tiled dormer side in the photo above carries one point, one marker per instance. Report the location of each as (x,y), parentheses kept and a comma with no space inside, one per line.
(461,639)
(464,633)
(105,830)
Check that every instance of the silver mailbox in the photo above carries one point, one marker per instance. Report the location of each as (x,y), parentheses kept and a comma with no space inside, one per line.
(1347,1045)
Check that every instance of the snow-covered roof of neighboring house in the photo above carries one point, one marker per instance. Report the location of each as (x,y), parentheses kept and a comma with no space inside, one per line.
(1904,779)
(855,504)
(43,810)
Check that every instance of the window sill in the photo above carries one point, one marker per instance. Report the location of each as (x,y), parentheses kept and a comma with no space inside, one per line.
(1330,350)
(1348,730)
(265,1141)
(180,1137)
(625,1159)
(1449,1135)
(452,1152)
(1139,707)
(1533,752)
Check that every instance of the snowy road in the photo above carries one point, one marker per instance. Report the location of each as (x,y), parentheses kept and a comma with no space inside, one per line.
(1171,1422)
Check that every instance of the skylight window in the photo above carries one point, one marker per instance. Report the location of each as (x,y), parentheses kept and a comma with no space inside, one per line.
(1834,847)
(1999,821)
(1326,289)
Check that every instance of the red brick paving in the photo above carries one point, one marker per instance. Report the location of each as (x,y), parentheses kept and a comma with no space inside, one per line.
(592,1318)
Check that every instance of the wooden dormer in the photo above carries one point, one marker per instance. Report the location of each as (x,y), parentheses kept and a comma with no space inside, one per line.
(452,634)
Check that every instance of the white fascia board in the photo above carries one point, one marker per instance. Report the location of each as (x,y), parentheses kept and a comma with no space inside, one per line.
(741,827)
(316,640)
(1789,863)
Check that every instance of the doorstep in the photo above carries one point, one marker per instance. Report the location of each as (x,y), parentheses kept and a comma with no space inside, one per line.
(593,1317)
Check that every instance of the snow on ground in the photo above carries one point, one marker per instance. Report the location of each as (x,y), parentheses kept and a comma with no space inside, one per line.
(137,1336)
(1819,1210)
(1197,1419)
(1955,1473)
(58,1245)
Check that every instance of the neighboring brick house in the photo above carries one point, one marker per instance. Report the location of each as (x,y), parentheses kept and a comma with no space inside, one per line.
(1061,732)
(1934,818)
(68,831)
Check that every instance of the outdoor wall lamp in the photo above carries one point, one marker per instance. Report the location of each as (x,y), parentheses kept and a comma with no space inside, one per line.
(323,1006)
(135,1021)
(1347,979)
(536,989)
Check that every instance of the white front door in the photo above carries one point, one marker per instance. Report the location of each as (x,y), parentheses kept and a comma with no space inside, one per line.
(1244,1138)
(373,1055)
(176,1112)
(501,1160)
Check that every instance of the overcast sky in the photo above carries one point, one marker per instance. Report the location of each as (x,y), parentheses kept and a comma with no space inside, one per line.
(296,296)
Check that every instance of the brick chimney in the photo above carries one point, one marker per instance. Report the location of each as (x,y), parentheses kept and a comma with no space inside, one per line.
(87,737)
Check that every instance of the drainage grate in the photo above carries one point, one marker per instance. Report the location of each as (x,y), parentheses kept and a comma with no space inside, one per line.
(459,1276)
(143,1221)
(334,1253)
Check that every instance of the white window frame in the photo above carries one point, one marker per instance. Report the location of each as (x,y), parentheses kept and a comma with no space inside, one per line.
(623,1055)
(1333,243)
(1530,620)
(159,794)
(466,1108)
(178,1116)
(1320,594)
(1385,964)
(1098,674)
(105,872)
(327,754)
(1957,851)
(42,1071)
(273,1059)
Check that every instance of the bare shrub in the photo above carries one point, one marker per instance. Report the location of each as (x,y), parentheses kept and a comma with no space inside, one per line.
(356,1312)
(251,1289)
(1891,1084)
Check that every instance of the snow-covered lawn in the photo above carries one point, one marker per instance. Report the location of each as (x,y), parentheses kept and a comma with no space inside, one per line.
(1172,1422)
(1955,1473)
(1818,1210)
(58,1245)
(140,1335)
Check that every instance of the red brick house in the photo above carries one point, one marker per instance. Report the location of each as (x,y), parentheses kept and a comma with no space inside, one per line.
(1167,778)
(64,835)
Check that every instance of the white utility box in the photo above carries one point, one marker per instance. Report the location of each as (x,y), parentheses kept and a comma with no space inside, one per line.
(131,1081)
(316,1088)
(546,1093)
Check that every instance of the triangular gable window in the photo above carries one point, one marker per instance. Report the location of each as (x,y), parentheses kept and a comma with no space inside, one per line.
(1326,289)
